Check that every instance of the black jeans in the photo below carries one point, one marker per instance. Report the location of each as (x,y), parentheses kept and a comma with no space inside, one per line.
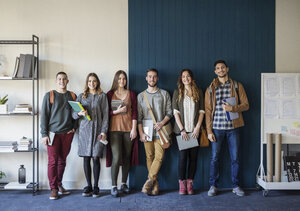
(121,146)
(182,161)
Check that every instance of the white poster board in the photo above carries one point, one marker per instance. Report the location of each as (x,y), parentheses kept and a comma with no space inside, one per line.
(280,106)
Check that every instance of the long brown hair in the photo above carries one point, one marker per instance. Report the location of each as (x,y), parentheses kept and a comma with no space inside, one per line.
(195,90)
(86,88)
(115,84)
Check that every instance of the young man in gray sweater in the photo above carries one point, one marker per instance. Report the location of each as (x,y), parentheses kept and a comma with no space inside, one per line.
(160,103)
(57,129)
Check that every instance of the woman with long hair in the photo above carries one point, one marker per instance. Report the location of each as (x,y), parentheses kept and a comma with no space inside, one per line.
(122,130)
(188,108)
(92,130)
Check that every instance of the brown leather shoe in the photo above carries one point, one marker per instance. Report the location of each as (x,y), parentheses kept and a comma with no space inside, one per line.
(155,189)
(63,191)
(147,186)
(54,194)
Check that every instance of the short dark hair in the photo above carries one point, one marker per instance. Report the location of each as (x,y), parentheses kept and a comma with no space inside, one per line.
(152,70)
(61,73)
(219,61)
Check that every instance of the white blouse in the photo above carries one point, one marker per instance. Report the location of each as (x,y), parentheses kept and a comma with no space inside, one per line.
(188,111)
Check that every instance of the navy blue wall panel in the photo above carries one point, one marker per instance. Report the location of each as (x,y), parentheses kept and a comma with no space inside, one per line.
(174,34)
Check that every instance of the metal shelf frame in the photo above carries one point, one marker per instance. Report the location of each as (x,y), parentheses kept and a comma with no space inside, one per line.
(34,42)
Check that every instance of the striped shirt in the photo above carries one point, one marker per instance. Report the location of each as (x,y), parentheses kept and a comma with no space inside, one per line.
(223,91)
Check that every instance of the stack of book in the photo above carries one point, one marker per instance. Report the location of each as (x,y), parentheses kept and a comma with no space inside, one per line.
(22,108)
(25,66)
(24,144)
(8,146)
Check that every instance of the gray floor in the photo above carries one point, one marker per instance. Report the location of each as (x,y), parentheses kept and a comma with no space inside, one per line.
(276,200)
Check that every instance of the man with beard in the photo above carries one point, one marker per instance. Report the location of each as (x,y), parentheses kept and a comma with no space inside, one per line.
(160,103)
(219,128)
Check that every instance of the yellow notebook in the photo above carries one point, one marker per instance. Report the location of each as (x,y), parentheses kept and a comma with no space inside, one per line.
(78,107)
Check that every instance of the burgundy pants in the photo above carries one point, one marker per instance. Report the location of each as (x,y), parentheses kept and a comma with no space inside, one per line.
(57,155)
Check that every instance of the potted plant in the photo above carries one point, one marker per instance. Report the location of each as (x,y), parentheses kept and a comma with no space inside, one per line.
(3,106)
(2,175)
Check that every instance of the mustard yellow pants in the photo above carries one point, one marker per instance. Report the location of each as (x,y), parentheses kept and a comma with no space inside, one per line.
(154,156)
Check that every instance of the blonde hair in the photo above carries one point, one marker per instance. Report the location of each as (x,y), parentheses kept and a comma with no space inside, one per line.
(195,90)
(86,88)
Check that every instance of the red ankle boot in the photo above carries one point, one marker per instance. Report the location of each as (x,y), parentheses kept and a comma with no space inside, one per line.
(182,187)
(189,185)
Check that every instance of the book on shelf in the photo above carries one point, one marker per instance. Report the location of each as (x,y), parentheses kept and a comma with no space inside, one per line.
(22,108)
(16,67)
(16,185)
(78,107)
(27,66)
(21,66)
(24,144)
(5,77)
(8,146)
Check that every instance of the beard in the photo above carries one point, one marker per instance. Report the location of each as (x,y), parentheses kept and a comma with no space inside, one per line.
(222,76)
(152,85)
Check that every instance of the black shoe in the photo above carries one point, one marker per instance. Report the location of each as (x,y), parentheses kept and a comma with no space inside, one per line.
(125,189)
(96,192)
(87,191)
(114,192)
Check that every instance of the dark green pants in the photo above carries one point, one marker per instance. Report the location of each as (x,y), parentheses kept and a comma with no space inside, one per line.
(121,147)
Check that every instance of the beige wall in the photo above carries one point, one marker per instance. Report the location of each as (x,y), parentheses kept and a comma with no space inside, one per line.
(77,37)
(287,36)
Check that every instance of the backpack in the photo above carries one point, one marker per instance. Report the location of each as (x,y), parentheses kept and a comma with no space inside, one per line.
(52,96)
(236,86)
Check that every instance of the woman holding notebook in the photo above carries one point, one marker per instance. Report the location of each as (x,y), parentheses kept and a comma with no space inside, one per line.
(188,108)
(92,130)
(122,130)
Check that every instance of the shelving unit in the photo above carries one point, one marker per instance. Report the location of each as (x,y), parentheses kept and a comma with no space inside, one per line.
(34,116)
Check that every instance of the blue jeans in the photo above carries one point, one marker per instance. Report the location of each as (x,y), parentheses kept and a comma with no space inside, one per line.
(233,139)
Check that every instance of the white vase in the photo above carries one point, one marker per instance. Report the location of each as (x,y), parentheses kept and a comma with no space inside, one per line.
(3,108)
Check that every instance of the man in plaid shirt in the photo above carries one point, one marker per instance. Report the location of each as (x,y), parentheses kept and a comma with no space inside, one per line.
(219,128)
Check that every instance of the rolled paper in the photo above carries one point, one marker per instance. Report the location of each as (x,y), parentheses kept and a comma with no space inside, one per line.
(269,157)
(277,157)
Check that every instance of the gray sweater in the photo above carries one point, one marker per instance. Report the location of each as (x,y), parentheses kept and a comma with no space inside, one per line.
(57,117)
(160,103)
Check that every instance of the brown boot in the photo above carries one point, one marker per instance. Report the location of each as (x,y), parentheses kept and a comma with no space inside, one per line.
(63,191)
(54,194)
(147,186)
(155,189)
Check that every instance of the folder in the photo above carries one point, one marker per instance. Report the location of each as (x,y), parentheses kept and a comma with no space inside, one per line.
(78,107)
(148,129)
(182,144)
(231,115)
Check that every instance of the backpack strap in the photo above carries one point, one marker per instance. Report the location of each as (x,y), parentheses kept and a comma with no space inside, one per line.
(236,87)
(73,95)
(52,96)
(210,94)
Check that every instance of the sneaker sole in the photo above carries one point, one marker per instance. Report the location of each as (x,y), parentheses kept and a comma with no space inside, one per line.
(87,194)
(64,193)
(53,198)
(96,196)
(238,194)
